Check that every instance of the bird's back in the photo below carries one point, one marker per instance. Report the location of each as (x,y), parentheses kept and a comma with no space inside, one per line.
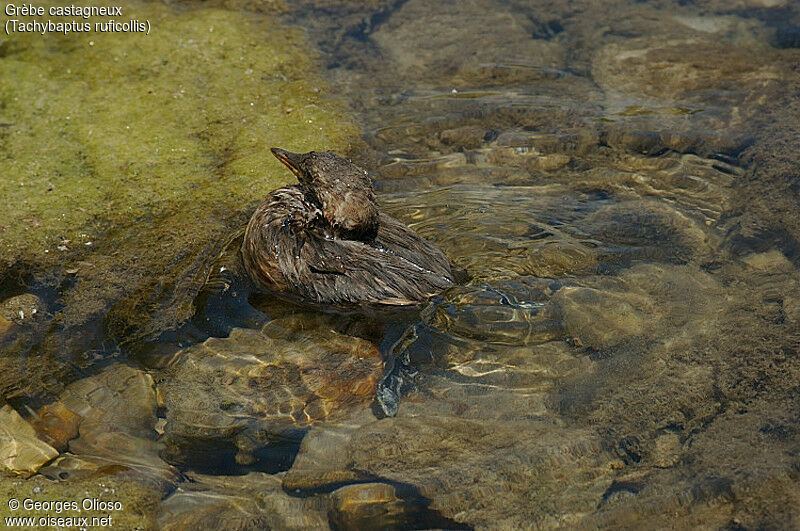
(288,249)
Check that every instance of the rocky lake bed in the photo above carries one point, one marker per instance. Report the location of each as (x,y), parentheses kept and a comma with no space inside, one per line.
(619,184)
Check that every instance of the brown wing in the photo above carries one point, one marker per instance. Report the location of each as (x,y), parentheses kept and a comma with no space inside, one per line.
(400,240)
(350,271)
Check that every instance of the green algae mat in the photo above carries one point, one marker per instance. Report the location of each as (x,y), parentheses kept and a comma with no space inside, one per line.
(125,156)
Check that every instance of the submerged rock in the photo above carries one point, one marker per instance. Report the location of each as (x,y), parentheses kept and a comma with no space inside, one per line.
(652,231)
(57,424)
(645,302)
(257,388)
(21,452)
(426,40)
(119,398)
(678,68)
(364,504)
(107,423)
(599,319)
(509,313)
(383,506)
(254,501)
(501,484)
(321,462)
(667,450)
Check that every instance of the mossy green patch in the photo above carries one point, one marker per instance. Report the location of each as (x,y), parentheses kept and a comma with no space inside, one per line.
(122,125)
(135,154)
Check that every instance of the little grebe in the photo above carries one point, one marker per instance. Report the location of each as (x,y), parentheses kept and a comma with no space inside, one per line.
(324,240)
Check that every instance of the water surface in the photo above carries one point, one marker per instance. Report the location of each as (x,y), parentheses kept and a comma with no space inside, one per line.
(619,184)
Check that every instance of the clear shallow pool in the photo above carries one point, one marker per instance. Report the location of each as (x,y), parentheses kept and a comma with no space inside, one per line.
(619,184)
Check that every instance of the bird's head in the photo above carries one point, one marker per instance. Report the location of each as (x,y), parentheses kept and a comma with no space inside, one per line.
(343,190)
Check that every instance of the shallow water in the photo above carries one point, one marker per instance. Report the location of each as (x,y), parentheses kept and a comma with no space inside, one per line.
(619,184)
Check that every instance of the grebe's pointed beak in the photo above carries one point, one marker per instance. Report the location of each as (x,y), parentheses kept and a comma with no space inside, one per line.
(291,160)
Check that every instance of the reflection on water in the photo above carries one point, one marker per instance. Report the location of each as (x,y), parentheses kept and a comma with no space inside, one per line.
(617,184)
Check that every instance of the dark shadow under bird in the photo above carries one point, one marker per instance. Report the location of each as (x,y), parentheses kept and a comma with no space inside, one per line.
(325,241)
